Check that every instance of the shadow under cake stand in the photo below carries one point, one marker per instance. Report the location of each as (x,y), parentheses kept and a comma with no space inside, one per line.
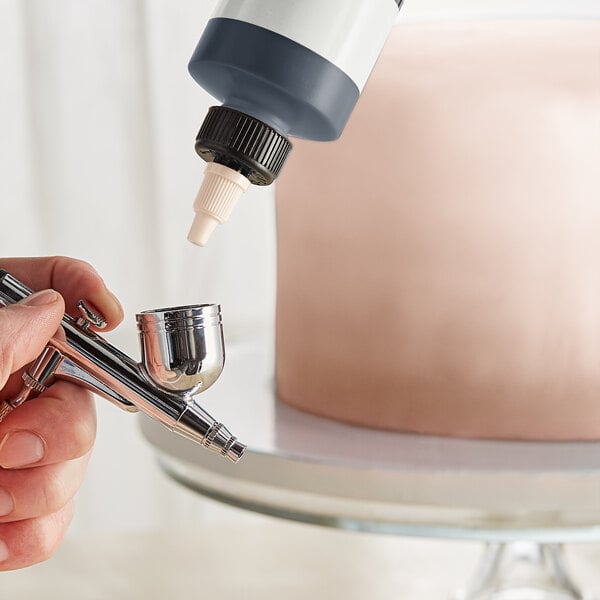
(524,500)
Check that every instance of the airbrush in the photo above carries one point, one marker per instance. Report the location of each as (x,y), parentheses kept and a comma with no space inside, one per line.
(182,355)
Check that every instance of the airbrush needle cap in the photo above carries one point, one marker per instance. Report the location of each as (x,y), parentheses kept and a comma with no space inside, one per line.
(216,200)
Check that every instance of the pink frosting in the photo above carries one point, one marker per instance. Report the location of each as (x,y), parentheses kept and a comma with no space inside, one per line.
(439,265)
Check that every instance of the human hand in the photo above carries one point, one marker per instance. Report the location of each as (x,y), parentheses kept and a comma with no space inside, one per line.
(46,443)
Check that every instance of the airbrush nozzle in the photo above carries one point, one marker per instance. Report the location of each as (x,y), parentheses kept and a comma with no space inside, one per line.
(197,426)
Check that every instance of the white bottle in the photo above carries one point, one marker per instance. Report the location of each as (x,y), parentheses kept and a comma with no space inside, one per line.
(280,68)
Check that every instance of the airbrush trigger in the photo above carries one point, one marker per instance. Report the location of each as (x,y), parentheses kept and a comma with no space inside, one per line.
(89,317)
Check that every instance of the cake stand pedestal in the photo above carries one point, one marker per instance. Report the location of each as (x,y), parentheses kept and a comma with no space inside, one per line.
(523,500)
(521,571)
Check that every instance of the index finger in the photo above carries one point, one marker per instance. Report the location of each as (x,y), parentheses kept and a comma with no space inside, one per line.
(74,279)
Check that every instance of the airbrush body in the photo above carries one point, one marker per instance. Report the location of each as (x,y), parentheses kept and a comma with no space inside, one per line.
(182,355)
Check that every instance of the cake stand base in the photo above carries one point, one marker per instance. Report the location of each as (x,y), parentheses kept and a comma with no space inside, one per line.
(521,571)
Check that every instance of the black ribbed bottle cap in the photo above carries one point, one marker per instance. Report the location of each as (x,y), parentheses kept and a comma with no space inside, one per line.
(243,143)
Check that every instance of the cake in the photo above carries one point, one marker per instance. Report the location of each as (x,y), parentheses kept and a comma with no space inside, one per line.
(439,265)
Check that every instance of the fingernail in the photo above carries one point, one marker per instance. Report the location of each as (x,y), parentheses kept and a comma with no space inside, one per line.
(20,449)
(40,298)
(7,504)
(3,551)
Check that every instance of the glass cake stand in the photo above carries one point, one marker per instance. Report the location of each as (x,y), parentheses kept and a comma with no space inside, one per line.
(523,500)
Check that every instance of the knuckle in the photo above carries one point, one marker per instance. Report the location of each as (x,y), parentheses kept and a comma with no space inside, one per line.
(50,531)
(6,349)
(4,364)
(84,432)
(35,540)
(71,412)
(47,540)
(70,265)
(56,492)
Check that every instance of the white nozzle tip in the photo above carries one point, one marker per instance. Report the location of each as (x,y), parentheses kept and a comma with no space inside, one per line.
(215,201)
(202,228)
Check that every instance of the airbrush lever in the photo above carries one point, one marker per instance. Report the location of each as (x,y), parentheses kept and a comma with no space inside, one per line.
(182,355)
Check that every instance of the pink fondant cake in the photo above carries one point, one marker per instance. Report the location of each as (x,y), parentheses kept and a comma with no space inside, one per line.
(439,265)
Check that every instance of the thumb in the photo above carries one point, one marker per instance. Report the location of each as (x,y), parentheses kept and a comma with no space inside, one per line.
(25,329)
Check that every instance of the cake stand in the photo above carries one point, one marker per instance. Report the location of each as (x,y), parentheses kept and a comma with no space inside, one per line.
(523,500)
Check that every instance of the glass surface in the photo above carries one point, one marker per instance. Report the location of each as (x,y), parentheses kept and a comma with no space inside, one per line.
(521,571)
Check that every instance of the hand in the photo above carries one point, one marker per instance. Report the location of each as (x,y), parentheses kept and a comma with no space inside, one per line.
(45,444)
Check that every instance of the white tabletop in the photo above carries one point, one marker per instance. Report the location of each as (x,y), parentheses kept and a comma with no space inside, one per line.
(311,469)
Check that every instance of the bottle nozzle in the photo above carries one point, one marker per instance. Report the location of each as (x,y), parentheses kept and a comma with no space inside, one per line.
(215,201)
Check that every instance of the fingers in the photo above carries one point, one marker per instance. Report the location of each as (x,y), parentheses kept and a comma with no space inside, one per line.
(57,426)
(44,450)
(24,543)
(45,445)
(25,328)
(30,493)
(74,279)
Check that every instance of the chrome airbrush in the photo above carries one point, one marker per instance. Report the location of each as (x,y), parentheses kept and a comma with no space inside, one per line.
(183,354)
